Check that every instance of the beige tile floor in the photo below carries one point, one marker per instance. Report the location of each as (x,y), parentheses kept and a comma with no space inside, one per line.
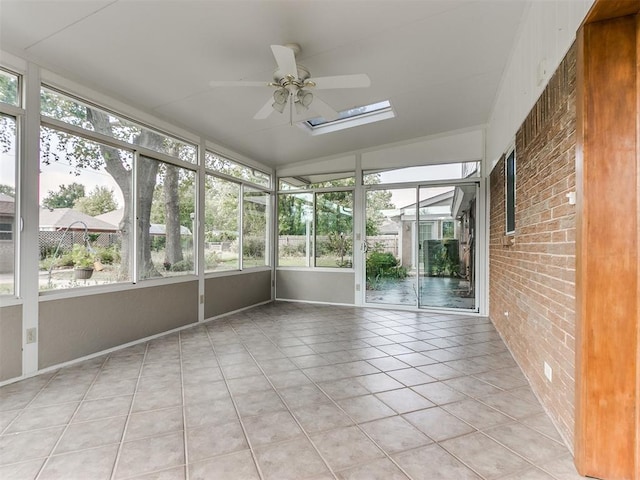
(289,391)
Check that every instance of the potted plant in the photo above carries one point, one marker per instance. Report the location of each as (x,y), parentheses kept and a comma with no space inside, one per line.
(82,262)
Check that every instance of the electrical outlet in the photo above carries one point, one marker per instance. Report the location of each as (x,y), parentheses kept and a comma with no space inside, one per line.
(506,314)
(548,372)
(32,336)
(357,287)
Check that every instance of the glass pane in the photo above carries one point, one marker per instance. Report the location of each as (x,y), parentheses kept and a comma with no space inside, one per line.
(295,229)
(325,180)
(85,225)
(351,113)
(511,193)
(8,141)
(9,91)
(69,110)
(448,171)
(446,247)
(166,219)
(255,228)
(242,172)
(391,254)
(221,225)
(334,229)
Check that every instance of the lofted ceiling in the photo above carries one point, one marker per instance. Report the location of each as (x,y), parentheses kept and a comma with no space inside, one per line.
(438,62)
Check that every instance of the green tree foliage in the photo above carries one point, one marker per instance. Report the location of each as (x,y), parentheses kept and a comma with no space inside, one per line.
(81,153)
(65,197)
(100,200)
(8,89)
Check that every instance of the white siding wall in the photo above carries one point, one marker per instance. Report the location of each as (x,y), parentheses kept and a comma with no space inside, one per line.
(548,30)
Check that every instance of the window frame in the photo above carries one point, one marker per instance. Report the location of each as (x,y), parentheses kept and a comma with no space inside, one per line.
(137,151)
(312,254)
(510,172)
(253,186)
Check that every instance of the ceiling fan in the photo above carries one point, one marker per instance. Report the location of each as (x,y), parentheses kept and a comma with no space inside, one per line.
(293,86)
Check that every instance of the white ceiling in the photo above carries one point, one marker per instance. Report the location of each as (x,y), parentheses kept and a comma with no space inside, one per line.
(438,62)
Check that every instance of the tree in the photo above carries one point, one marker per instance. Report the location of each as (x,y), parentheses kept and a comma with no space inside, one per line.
(65,197)
(82,153)
(377,200)
(100,200)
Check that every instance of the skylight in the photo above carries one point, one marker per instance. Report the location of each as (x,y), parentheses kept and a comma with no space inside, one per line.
(353,117)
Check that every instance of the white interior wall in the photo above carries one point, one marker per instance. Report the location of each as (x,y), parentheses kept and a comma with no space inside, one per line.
(547,31)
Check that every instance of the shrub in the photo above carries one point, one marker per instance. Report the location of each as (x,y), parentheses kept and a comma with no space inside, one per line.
(384,265)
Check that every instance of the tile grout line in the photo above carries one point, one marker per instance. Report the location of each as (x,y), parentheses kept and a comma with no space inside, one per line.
(126,424)
(68,425)
(4,431)
(235,406)
(335,404)
(184,411)
(289,411)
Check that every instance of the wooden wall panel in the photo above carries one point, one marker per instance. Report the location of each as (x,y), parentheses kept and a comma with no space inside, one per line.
(606,439)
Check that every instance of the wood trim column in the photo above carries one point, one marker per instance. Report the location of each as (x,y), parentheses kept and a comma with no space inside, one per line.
(607,248)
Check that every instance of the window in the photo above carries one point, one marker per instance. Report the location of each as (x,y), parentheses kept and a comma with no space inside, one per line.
(334,229)
(510,201)
(221,225)
(353,117)
(91,224)
(295,225)
(315,229)
(445,171)
(8,160)
(256,205)
(166,219)
(220,164)
(9,88)
(85,215)
(56,105)
(329,180)
(237,215)
(448,229)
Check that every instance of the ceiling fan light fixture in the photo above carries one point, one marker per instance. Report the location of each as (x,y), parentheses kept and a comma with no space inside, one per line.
(278,107)
(304,98)
(280,97)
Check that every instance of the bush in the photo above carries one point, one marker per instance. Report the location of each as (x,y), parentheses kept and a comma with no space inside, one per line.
(108,255)
(384,265)
(253,247)
(293,250)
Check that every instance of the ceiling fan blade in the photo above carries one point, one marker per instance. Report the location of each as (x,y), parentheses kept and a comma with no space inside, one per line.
(286,60)
(237,83)
(360,80)
(265,111)
(324,109)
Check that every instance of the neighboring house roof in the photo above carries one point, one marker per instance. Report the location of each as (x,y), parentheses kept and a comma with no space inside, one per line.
(62,218)
(7,204)
(441,199)
(115,217)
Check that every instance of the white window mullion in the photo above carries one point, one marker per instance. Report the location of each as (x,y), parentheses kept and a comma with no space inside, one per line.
(29,214)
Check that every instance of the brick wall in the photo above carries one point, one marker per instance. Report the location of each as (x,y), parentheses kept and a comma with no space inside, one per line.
(534,279)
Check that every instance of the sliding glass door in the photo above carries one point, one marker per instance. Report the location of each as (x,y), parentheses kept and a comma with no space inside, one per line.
(446,247)
(420,246)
